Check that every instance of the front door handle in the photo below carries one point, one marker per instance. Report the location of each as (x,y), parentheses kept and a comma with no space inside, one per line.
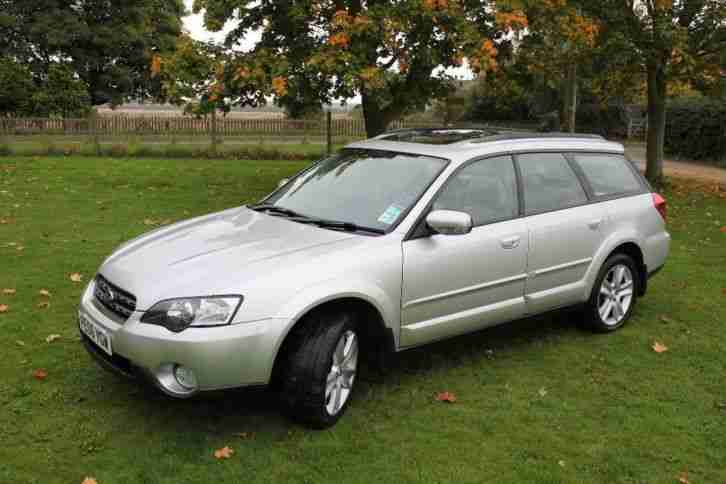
(595,224)
(511,242)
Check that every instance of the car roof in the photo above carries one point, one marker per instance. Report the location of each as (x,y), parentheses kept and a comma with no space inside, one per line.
(464,144)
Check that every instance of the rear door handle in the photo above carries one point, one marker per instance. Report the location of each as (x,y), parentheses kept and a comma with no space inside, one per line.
(595,224)
(511,242)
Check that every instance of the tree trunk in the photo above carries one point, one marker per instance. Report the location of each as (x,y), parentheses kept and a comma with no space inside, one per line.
(569,109)
(373,116)
(656,123)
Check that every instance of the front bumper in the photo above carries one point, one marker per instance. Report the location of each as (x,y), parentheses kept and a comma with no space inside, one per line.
(221,357)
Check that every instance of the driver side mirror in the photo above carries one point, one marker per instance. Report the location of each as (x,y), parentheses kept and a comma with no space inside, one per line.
(449,222)
(282,182)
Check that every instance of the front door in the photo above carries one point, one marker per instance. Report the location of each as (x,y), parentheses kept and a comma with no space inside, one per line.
(453,284)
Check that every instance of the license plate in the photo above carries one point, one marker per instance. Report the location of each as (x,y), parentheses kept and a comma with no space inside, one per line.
(96,334)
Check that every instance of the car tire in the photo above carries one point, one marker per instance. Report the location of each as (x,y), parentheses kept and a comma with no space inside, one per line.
(614,294)
(320,369)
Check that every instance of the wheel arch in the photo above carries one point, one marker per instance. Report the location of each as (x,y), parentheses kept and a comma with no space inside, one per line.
(633,250)
(628,243)
(376,333)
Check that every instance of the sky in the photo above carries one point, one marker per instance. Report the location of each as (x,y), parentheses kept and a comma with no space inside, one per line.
(194,23)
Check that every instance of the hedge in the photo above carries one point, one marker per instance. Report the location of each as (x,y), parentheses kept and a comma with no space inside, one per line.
(696,130)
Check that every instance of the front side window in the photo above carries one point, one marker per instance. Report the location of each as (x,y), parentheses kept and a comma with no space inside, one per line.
(607,174)
(369,188)
(549,183)
(486,190)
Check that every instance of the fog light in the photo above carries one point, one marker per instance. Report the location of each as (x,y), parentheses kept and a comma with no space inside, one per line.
(185,377)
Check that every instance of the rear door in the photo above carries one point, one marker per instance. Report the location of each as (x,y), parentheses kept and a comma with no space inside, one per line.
(565,230)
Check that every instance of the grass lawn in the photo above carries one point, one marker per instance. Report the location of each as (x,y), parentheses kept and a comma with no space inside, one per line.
(538,400)
(248,147)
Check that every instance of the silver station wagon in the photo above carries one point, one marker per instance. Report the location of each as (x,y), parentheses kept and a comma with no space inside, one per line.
(397,241)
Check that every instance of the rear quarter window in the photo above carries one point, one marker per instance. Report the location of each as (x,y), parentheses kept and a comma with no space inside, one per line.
(608,174)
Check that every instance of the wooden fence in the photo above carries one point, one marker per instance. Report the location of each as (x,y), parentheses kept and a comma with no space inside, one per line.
(190,126)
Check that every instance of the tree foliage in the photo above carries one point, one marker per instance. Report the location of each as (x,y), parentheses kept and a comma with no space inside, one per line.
(57,93)
(62,94)
(16,88)
(107,45)
(561,44)
(667,40)
(189,76)
(392,54)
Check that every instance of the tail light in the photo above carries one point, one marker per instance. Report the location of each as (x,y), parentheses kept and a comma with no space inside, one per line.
(660,205)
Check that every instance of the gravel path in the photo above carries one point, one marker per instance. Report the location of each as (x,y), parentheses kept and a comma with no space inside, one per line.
(680,169)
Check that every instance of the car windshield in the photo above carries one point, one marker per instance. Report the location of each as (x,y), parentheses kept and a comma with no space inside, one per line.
(369,188)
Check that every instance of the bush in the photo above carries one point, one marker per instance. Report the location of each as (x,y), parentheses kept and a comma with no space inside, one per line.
(696,129)
(610,121)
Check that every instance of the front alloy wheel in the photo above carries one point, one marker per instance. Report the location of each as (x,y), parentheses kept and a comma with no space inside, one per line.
(342,373)
(320,368)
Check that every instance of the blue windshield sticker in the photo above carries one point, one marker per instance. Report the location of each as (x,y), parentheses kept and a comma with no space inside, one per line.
(390,215)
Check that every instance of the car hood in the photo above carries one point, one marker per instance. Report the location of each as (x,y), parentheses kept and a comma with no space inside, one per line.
(200,254)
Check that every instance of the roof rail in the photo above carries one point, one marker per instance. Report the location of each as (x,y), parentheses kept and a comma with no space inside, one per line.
(522,135)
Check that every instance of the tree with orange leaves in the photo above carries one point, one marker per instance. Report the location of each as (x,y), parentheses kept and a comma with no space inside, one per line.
(393,54)
(560,39)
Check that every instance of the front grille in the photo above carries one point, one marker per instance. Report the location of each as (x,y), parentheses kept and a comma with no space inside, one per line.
(113,298)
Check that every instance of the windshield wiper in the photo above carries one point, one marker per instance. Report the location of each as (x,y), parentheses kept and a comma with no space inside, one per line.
(335,224)
(267,207)
(320,222)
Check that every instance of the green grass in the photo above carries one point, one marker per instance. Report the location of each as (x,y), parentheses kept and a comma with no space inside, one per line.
(250,147)
(538,400)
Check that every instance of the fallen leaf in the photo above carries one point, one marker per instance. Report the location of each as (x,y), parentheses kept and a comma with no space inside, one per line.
(44,304)
(40,374)
(723,291)
(542,392)
(659,347)
(150,221)
(683,478)
(89,480)
(9,292)
(666,319)
(20,343)
(245,435)
(561,463)
(4,308)
(223,453)
(52,337)
(447,397)
(723,229)
(44,293)
(76,277)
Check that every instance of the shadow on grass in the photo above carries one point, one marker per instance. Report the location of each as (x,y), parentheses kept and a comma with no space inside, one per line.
(259,410)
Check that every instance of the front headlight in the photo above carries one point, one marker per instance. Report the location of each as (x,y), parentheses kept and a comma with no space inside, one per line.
(179,314)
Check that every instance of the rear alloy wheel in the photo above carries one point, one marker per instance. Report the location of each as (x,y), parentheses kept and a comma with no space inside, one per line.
(613,296)
(321,368)
(616,295)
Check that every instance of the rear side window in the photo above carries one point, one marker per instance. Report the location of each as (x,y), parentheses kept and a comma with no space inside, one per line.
(549,183)
(607,174)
